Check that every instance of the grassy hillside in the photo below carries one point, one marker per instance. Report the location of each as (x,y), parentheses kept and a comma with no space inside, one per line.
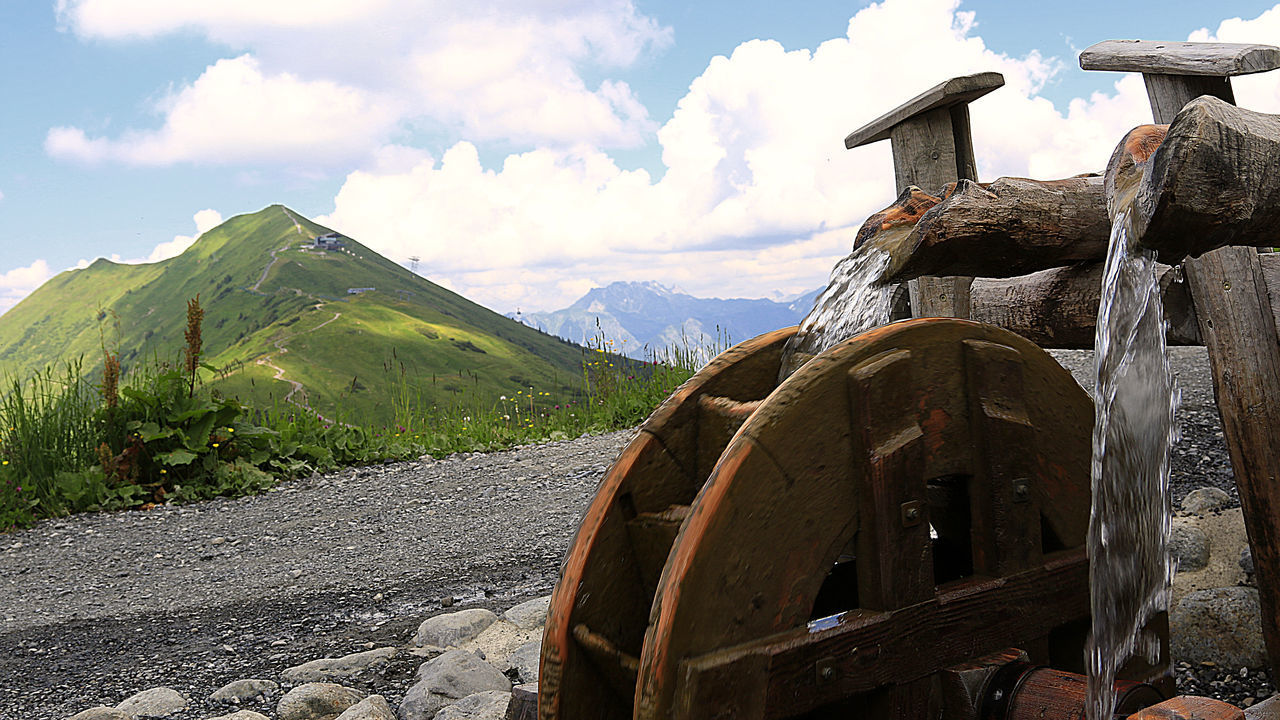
(276,307)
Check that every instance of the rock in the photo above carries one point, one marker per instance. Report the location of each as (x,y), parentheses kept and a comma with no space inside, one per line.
(524,702)
(487,705)
(1189,546)
(154,703)
(317,701)
(498,641)
(243,691)
(447,679)
(374,707)
(529,615)
(1246,560)
(346,667)
(1205,499)
(1222,625)
(242,715)
(525,661)
(453,629)
(101,713)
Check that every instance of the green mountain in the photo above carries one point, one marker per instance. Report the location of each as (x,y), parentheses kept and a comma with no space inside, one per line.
(281,317)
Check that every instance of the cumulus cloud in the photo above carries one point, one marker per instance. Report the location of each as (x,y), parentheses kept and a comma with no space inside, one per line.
(758,193)
(234,113)
(21,282)
(328,82)
(1257,92)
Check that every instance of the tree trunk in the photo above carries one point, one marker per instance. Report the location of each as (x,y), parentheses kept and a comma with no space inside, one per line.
(1213,182)
(1058,308)
(1009,227)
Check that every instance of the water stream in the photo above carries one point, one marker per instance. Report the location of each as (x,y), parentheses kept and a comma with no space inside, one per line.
(1130,568)
(853,302)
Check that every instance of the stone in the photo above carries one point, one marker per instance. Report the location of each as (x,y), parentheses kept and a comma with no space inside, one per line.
(374,707)
(243,691)
(529,615)
(1205,499)
(453,629)
(487,705)
(242,715)
(1222,625)
(317,701)
(498,641)
(525,661)
(1246,560)
(447,679)
(347,667)
(1189,546)
(101,712)
(154,703)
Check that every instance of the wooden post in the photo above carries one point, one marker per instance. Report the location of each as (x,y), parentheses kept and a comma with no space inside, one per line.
(1231,302)
(932,147)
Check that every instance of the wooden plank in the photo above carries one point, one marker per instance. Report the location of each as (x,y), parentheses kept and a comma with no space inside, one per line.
(1180,58)
(870,650)
(955,91)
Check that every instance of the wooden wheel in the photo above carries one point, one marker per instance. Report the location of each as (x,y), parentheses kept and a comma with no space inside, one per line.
(909,500)
(600,607)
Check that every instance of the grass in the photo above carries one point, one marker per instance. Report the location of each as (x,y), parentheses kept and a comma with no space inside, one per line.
(69,443)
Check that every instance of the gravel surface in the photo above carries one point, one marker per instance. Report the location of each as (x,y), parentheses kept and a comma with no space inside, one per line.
(97,607)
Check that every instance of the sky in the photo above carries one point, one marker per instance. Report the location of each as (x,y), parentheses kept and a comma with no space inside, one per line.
(526,151)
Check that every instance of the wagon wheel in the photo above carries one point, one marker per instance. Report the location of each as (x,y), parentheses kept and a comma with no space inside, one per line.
(600,608)
(806,581)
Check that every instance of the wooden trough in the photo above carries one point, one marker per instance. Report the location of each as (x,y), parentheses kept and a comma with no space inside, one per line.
(897,529)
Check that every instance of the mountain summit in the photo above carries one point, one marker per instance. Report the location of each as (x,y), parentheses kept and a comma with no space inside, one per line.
(292,310)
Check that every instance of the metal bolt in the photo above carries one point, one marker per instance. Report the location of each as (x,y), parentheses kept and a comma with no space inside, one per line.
(913,513)
(1021,490)
(828,673)
(935,155)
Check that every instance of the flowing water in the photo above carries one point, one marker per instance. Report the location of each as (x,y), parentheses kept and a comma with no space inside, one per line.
(1129,563)
(853,302)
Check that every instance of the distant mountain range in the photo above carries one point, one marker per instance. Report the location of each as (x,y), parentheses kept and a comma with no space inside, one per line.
(641,316)
(292,310)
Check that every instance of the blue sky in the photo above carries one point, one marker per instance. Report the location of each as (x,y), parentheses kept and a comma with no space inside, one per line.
(528,150)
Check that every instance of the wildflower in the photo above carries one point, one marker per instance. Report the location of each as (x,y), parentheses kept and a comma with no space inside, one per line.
(502,397)
(19,488)
(215,444)
(6,462)
(230,430)
(163,471)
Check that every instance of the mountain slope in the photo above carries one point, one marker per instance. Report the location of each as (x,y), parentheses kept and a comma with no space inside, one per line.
(640,315)
(278,316)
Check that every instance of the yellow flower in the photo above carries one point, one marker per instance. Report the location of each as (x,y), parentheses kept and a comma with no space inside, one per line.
(215,444)
(163,471)
(231,429)
(6,462)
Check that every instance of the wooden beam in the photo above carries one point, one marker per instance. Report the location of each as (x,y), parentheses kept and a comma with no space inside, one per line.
(808,668)
(956,91)
(1180,58)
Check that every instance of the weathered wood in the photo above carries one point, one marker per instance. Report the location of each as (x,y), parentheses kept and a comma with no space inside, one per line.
(1049,694)
(1214,181)
(956,91)
(1058,308)
(1009,227)
(932,146)
(1180,58)
(870,650)
(1238,326)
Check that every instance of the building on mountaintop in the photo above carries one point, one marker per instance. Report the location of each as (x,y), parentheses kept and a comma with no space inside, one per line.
(330,241)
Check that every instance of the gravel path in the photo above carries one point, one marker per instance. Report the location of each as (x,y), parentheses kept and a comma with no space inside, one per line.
(97,607)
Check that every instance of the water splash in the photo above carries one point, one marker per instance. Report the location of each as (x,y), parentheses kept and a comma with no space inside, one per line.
(854,302)
(1130,568)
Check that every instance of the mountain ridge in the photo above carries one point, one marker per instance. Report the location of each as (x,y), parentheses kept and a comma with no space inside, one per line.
(270,297)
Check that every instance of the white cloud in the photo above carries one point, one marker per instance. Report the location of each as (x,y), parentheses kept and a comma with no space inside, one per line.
(21,282)
(328,82)
(1260,91)
(236,114)
(758,195)
(205,220)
